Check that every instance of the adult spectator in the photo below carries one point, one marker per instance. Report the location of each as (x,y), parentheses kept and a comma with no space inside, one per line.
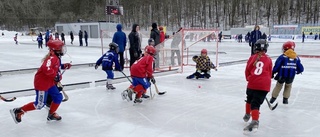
(177,38)
(46,37)
(135,45)
(62,38)
(80,37)
(120,38)
(254,36)
(155,34)
(71,37)
(86,37)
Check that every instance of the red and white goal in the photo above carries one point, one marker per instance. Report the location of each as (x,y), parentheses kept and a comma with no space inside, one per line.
(177,51)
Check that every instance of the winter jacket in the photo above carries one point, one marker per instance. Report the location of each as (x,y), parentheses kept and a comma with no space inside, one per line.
(134,39)
(120,38)
(287,65)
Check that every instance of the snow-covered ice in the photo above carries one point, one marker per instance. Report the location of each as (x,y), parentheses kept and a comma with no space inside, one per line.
(191,108)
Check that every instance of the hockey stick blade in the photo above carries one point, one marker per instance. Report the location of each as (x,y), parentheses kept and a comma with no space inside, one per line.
(8,100)
(162,93)
(66,97)
(270,106)
(274,107)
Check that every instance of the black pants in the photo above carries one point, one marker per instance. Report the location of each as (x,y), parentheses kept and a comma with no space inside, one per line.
(86,40)
(252,48)
(255,98)
(133,56)
(121,60)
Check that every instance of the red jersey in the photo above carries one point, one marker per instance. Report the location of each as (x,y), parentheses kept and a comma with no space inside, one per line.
(142,68)
(162,36)
(259,75)
(44,78)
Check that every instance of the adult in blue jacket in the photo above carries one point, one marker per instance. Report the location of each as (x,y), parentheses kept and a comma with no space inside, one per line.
(120,38)
(286,67)
(254,36)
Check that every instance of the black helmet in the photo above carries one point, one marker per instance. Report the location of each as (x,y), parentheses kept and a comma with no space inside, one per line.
(151,41)
(114,46)
(261,45)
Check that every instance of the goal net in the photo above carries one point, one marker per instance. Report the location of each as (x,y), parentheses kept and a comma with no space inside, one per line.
(177,50)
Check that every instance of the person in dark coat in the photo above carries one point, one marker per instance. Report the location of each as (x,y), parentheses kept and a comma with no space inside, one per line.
(86,37)
(264,36)
(71,37)
(62,38)
(135,45)
(40,39)
(155,34)
(120,38)
(254,36)
(80,37)
(303,36)
(220,36)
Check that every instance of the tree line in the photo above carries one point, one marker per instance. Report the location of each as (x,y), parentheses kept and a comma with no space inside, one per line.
(223,14)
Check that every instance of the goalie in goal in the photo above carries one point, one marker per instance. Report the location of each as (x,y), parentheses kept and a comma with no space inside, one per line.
(203,66)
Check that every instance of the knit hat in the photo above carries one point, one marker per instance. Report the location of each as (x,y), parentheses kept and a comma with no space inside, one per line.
(154,25)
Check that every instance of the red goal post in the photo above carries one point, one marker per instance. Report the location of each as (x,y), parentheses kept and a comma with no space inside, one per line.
(177,50)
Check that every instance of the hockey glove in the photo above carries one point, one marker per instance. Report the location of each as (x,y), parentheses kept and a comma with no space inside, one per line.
(57,78)
(60,88)
(272,76)
(153,80)
(96,66)
(67,66)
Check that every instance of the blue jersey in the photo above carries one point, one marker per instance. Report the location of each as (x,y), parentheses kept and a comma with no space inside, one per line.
(108,59)
(288,65)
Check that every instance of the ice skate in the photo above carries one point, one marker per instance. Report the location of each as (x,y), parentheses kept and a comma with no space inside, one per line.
(53,116)
(272,99)
(252,127)
(145,96)
(138,100)
(124,95)
(285,101)
(110,86)
(246,117)
(16,114)
(190,77)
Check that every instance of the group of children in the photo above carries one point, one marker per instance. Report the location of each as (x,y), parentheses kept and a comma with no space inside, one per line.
(259,73)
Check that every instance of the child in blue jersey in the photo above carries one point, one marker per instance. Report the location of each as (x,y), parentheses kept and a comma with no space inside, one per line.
(286,67)
(107,60)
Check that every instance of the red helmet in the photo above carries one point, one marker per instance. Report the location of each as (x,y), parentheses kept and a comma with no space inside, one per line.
(160,28)
(55,44)
(204,51)
(288,45)
(150,50)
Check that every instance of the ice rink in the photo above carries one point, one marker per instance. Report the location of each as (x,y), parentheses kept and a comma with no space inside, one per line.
(191,108)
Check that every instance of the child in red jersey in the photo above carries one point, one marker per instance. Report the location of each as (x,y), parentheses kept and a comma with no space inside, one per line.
(258,75)
(45,81)
(141,73)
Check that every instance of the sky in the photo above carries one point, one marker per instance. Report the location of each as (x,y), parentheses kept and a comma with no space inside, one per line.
(190,108)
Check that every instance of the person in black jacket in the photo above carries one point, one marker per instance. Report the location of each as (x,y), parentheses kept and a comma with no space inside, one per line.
(80,37)
(86,37)
(71,37)
(155,34)
(135,45)
(62,38)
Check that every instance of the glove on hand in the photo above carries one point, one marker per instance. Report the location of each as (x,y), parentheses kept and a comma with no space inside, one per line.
(60,88)
(96,66)
(57,78)
(67,66)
